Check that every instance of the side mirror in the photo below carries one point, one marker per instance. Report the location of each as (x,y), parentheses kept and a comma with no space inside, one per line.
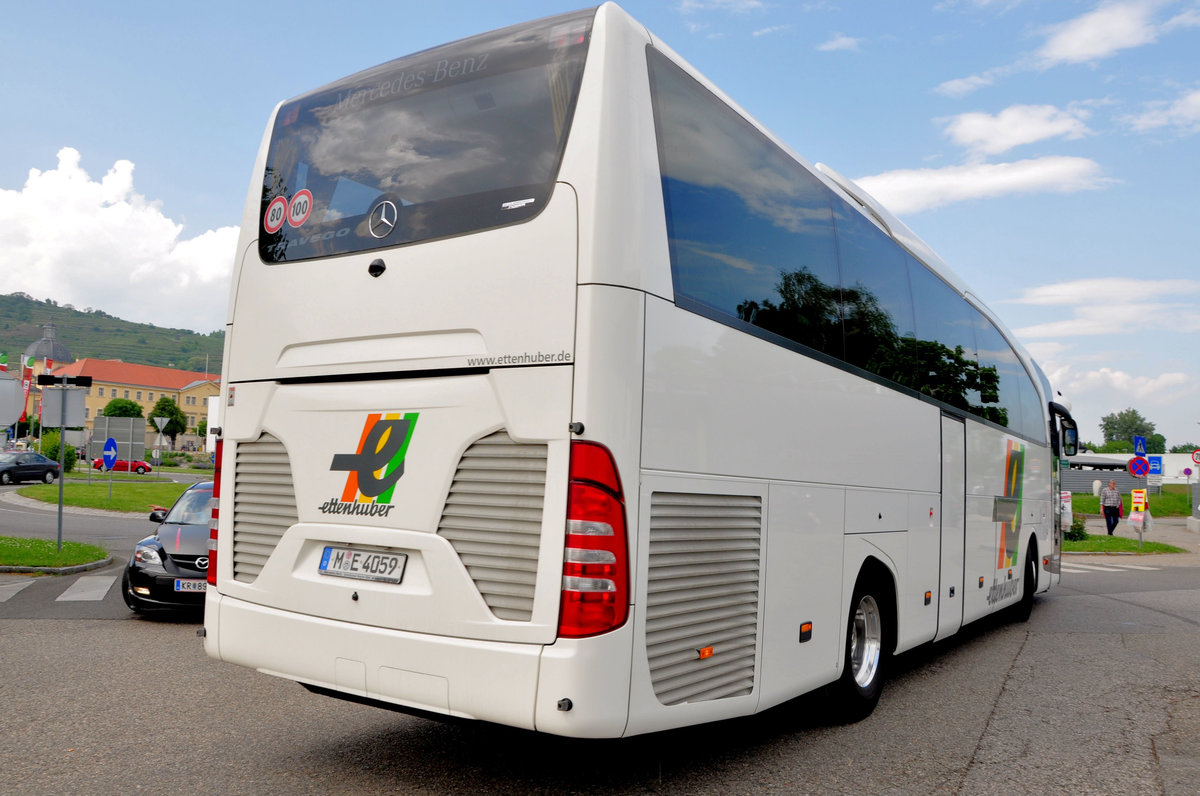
(158,515)
(1070,438)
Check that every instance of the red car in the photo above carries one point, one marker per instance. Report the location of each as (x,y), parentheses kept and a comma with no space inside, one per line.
(123,466)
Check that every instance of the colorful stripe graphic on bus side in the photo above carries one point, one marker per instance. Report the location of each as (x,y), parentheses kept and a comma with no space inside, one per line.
(375,466)
(1014,483)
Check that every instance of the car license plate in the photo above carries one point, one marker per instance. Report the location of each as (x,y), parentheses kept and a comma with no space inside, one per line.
(363,564)
(182,584)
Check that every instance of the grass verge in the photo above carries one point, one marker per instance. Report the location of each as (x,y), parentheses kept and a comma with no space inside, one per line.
(1173,502)
(129,497)
(16,552)
(1117,544)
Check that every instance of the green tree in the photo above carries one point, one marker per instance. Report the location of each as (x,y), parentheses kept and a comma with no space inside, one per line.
(1116,446)
(122,407)
(1125,425)
(1186,447)
(50,450)
(1156,443)
(176,419)
(202,427)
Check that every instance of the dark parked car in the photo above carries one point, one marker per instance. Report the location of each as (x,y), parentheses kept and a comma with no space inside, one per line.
(122,466)
(169,569)
(17,466)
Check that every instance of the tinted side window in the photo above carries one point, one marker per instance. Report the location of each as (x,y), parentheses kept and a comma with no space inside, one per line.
(750,230)
(1003,406)
(947,365)
(877,307)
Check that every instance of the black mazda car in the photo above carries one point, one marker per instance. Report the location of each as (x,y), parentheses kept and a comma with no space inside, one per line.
(17,466)
(168,570)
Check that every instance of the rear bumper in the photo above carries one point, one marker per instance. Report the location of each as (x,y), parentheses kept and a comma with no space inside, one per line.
(520,685)
(492,681)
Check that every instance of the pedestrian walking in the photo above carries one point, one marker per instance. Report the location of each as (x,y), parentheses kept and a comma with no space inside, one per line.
(1110,503)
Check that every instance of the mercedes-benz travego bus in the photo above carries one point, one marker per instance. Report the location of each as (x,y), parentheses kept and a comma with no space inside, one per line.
(560,393)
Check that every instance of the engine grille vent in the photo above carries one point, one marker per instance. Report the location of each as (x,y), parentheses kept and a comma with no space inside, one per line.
(493,519)
(264,504)
(703,593)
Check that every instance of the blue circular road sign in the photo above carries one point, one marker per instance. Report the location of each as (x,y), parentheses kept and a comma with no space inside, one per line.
(110,453)
(1139,467)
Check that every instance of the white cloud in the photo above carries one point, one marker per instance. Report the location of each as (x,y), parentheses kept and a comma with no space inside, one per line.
(735,6)
(1104,31)
(913,190)
(1182,114)
(1161,389)
(840,42)
(1014,126)
(1100,33)
(1092,292)
(770,30)
(101,244)
(1020,124)
(960,87)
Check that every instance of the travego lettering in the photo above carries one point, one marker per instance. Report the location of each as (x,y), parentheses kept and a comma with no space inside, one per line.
(317,236)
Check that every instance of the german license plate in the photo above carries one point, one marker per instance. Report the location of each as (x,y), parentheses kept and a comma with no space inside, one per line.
(345,562)
(182,584)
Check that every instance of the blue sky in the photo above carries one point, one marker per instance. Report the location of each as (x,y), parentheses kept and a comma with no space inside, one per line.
(1049,151)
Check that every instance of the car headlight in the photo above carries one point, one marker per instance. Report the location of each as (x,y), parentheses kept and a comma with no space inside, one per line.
(144,554)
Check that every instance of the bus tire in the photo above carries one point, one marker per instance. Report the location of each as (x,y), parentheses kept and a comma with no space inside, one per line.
(1024,609)
(857,691)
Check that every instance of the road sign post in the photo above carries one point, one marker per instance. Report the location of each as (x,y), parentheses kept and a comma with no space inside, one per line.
(61,382)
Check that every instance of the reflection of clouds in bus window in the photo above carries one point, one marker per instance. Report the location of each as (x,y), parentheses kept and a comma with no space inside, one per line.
(445,143)
(722,150)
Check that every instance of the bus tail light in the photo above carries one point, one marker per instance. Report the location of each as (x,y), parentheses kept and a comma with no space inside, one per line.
(595,587)
(211,574)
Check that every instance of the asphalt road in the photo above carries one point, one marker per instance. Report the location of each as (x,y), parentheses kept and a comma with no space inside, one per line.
(1098,693)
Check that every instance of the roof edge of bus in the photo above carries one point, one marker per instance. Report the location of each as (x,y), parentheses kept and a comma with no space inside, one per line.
(893,226)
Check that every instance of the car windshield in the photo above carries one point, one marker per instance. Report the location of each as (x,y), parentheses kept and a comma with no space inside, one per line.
(192,508)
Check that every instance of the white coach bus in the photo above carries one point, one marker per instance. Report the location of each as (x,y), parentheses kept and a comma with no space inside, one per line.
(561,394)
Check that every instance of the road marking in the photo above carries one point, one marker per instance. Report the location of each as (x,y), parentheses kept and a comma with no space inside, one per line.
(1078,568)
(9,589)
(89,587)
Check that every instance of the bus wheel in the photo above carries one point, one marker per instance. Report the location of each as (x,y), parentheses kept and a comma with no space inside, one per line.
(1024,609)
(858,689)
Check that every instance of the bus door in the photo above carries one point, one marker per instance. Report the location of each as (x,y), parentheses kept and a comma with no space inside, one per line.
(953,538)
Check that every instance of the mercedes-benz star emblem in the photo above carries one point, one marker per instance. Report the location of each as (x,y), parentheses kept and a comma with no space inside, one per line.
(202,562)
(383,219)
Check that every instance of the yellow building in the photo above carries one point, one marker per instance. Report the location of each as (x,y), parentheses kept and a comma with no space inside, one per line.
(144,385)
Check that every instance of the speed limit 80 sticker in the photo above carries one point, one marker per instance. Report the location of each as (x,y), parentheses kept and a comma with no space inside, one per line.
(294,212)
(276,214)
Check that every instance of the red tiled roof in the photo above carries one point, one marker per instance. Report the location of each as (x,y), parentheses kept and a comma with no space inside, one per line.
(113,372)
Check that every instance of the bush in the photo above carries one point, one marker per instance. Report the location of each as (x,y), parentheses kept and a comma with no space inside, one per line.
(50,451)
(1078,530)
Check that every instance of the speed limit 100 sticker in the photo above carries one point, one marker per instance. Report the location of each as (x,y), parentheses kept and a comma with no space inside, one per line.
(276,213)
(299,208)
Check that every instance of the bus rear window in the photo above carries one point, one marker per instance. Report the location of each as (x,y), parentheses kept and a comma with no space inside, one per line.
(460,138)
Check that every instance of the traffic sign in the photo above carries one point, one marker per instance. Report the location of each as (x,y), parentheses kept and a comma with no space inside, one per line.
(1138,499)
(1187,470)
(110,453)
(1139,446)
(1138,467)
(1196,456)
(1156,465)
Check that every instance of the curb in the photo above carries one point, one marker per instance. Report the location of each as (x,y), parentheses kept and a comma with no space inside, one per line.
(57,570)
